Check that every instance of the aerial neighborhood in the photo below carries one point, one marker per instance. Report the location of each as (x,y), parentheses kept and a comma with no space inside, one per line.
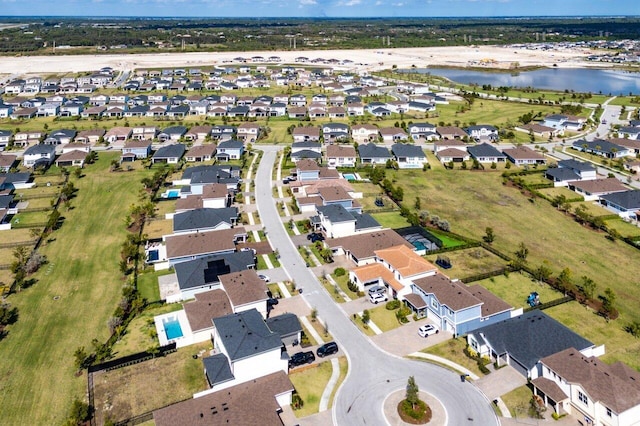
(266,224)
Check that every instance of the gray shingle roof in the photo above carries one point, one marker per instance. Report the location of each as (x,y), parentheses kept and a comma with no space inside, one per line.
(203,218)
(576,165)
(217,369)
(170,151)
(530,337)
(629,200)
(372,150)
(285,324)
(484,150)
(245,334)
(206,270)
(40,149)
(407,150)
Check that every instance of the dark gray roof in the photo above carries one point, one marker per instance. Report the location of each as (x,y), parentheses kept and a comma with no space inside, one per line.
(407,150)
(372,150)
(16,177)
(139,109)
(245,334)
(5,201)
(175,130)
(170,151)
(206,270)
(562,174)
(599,145)
(221,170)
(336,213)
(5,132)
(63,133)
(484,150)
(231,144)
(285,324)
(306,153)
(217,369)
(576,165)
(365,221)
(203,218)
(40,149)
(530,337)
(306,144)
(629,200)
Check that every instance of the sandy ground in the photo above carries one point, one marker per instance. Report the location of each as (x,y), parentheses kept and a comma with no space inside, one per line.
(364,60)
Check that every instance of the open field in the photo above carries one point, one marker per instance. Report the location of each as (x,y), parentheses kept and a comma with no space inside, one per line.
(391,220)
(452,349)
(518,401)
(472,201)
(515,289)
(468,262)
(83,270)
(624,228)
(126,392)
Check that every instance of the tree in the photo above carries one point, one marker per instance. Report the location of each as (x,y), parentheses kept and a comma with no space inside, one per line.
(80,357)
(565,281)
(489,236)
(366,316)
(417,204)
(412,395)
(80,413)
(588,287)
(522,253)
(542,273)
(608,302)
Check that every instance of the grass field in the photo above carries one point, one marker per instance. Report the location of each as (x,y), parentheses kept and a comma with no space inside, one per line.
(518,401)
(554,192)
(452,349)
(592,208)
(625,229)
(83,270)
(473,201)
(127,391)
(515,289)
(384,318)
(391,220)
(310,382)
(473,261)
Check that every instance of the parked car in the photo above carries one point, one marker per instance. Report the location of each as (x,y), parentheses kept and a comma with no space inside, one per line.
(315,236)
(377,289)
(264,278)
(249,249)
(301,358)
(376,298)
(427,330)
(327,349)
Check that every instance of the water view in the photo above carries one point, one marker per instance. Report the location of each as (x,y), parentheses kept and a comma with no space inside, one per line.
(576,79)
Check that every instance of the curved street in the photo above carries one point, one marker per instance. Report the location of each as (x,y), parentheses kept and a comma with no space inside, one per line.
(373,374)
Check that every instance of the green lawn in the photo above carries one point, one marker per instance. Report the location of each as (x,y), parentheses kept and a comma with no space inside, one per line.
(593,208)
(309,383)
(472,201)
(515,289)
(342,283)
(447,239)
(452,350)
(148,284)
(391,220)
(384,318)
(518,401)
(468,262)
(83,270)
(332,291)
(624,228)
(554,192)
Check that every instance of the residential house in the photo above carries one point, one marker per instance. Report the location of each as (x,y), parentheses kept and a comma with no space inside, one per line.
(629,132)
(522,155)
(392,134)
(593,189)
(602,148)
(455,307)
(222,133)
(306,149)
(408,156)
(364,133)
(522,341)
(6,137)
(213,196)
(201,153)
(170,154)
(341,156)
(24,139)
(486,153)
(450,132)
(135,149)
(540,130)
(626,204)
(455,155)
(230,149)
(361,248)
(7,161)
(39,156)
(172,133)
(374,154)
(185,247)
(118,134)
(587,388)
(307,169)
(423,131)
(204,220)
(335,132)
(395,268)
(60,137)
(73,158)
(355,109)
(336,221)
(306,134)
(570,170)
(249,132)
(90,137)
(144,133)
(483,132)
(198,133)
(10,181)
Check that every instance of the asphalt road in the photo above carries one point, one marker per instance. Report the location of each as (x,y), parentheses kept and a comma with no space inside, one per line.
(373,374)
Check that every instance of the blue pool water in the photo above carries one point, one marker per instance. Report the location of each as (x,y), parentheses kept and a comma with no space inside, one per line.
(419,245)
(174,193)
(349,176)
(172,329)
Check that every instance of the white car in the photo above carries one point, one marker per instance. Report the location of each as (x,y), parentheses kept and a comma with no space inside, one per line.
(377,298)
(377,289)
(264,278)
(428,329)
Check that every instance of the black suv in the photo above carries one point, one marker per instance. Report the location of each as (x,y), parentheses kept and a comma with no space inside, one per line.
(301,358)
(327,349)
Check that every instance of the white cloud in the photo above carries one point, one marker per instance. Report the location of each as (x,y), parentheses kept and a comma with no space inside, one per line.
(308,2)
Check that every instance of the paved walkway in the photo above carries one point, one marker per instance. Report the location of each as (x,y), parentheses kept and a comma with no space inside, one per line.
(500,382)
(333,381)
(316,336)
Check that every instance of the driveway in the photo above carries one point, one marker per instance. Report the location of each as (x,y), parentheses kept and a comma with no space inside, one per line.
(500,382)
(364,387)
(404,340)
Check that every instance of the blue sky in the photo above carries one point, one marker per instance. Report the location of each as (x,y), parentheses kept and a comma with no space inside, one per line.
(319,8)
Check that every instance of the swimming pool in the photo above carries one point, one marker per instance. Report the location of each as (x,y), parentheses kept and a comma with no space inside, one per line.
(173,193)
(172,328)
(419,245)
(349,176)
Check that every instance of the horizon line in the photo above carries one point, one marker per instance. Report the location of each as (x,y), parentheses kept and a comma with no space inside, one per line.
(619,16)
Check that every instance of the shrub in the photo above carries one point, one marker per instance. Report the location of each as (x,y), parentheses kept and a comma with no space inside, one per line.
(340,272)
(296,401)
(352,286)
(392,305)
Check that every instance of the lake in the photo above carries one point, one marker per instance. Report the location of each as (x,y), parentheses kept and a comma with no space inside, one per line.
(576,79)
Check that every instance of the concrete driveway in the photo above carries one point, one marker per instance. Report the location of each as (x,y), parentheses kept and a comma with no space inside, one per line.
(500,382)
(404,340)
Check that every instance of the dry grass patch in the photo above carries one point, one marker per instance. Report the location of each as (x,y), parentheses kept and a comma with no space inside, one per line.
(469,262)
(515,288)
(126,392)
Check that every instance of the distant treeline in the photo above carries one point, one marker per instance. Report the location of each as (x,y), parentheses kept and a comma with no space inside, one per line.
(41,34)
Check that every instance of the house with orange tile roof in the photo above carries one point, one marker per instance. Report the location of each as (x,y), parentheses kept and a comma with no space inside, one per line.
(395,268)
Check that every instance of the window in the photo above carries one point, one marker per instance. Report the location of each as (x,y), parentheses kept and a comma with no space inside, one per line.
(608,411)
(583,398)
(434,303)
